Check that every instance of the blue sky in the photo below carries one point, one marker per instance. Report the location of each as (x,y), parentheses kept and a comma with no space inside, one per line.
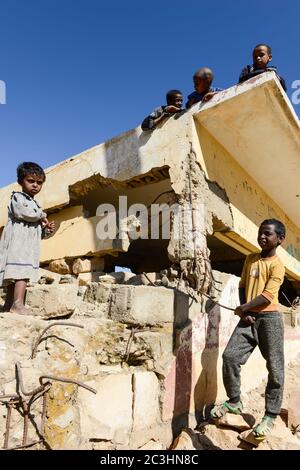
(79,72)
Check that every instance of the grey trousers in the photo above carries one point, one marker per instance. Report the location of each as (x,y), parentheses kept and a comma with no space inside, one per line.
(267,334)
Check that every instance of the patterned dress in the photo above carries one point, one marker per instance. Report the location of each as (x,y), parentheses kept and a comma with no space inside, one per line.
(20,241)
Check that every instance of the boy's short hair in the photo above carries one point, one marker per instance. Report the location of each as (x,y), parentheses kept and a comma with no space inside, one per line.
(31,168)
(171,93)
(269,49)
(203,73)
(279,226)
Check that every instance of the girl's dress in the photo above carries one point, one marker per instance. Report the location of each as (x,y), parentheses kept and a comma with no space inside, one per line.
(20,241)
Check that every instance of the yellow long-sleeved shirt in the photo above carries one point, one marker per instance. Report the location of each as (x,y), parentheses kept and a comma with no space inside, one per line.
(262,276)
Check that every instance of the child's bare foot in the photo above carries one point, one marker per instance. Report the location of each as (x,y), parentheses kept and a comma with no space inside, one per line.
(20,309)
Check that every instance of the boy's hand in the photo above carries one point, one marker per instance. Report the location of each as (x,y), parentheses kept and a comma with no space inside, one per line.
(243,315)
(249,319)
(209,96)
(172,109)
(239,312)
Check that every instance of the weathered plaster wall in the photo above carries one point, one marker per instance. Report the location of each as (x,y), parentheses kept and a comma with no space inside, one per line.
(246,198)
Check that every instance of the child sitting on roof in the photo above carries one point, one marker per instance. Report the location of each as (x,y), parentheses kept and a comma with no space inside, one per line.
(203,90)
(262,55)
(174,105)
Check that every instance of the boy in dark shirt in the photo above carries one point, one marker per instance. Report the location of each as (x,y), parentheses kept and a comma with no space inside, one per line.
(174,105)
(262,55)
(203,90)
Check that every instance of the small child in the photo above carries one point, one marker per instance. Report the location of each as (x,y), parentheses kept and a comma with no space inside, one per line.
(203,90)
(262,55)
(260,325)
(174,105)
(20,241)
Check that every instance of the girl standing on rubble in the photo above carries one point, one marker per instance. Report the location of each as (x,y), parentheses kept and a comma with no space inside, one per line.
(20,241)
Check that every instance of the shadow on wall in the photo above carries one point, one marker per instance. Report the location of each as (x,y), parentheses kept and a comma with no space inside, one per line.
(206,388)
(183,364)
(187,349)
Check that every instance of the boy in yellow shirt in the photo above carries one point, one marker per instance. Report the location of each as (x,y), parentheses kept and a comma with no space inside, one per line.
(260,325)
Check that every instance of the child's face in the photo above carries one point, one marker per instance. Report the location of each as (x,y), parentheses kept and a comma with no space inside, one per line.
(261,57)
(176,100)
(201,84)
(267,237)
(32,184)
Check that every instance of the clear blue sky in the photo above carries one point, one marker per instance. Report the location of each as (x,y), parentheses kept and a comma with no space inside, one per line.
(79,72)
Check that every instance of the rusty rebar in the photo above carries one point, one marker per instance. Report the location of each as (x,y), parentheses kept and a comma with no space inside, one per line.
(7,427)
(148,278)
(128,346)
(43,419)
(66,380)
(30,444)
(26,409)
(57,323)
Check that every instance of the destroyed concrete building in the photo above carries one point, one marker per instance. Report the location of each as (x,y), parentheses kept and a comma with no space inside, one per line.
(148,343)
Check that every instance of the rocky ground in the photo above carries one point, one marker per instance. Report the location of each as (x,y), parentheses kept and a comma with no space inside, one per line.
(234,432)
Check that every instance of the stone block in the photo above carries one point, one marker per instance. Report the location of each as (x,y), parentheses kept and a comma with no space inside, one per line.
(148,305)
(88,265)
(119,277)
(240,422)
(54,300)
(108,414)
(187,440)
(146,400)
(60,266)
(86,278)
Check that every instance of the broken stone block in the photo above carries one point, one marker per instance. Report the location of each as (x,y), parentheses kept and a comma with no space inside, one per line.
(88,265)
(97,293)
(115,278)
(148,305)
(146,400)
(143,280)
(107,415)
(240,422)
(56,300)
(48,277)
(187,440)
(67,279)
(86,278)
(60,266)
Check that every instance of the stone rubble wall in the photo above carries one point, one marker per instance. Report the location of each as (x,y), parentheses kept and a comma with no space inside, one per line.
(152,354)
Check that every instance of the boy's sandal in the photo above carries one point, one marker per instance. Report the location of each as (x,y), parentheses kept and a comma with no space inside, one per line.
(264,428)
(220,410)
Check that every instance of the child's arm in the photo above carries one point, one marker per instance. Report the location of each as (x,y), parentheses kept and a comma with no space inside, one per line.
(158,116)
(259,301)
(23,209)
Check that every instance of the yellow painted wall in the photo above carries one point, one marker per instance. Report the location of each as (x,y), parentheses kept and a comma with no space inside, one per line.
(250,205)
